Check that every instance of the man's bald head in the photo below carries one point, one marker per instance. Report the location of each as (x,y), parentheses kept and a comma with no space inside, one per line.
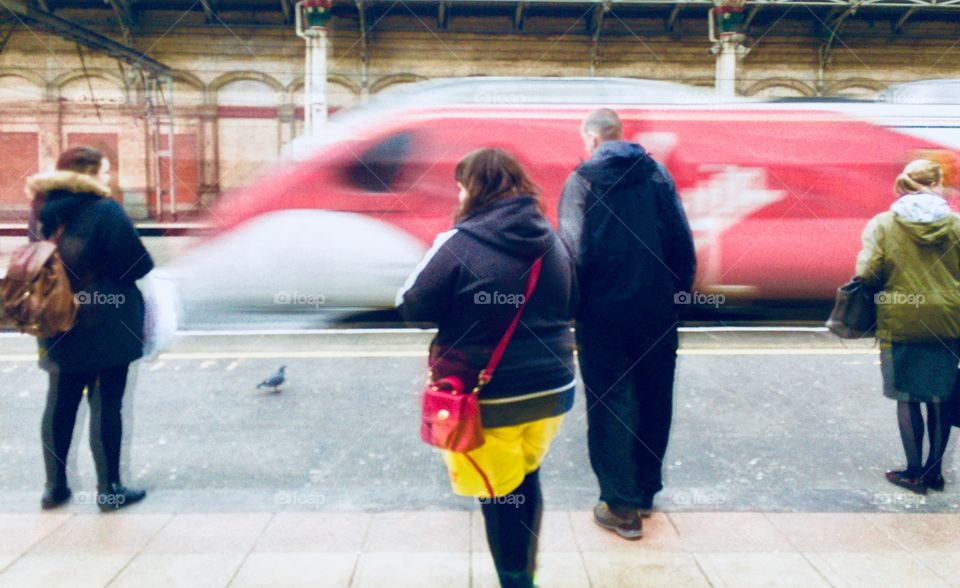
(600,126)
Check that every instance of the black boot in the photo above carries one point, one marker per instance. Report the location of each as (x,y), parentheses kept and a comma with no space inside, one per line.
(117,496)
(55,496)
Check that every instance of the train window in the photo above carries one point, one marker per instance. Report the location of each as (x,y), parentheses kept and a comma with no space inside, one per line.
(377,168)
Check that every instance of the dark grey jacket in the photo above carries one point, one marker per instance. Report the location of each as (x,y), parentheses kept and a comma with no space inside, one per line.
(622,222)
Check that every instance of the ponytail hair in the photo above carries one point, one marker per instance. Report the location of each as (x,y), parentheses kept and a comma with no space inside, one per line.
(920,175)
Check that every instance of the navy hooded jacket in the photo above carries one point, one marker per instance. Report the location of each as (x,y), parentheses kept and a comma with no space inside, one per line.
(622,221)
(104,257)
(470,284)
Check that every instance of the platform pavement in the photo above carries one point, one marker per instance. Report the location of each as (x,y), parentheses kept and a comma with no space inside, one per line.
(785,490)
(446,549)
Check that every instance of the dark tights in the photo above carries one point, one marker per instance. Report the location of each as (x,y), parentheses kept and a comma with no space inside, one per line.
(105,394)
(911,433)
(513,527)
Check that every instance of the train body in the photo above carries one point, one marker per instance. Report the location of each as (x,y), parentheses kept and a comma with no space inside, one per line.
(777,193)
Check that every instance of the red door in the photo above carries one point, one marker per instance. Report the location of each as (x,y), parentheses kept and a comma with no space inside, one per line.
(19,158)
(186,173)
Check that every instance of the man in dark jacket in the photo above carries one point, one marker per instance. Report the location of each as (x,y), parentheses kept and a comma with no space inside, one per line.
(622,221)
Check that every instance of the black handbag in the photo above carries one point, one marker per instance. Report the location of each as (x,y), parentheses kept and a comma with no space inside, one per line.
(854,313)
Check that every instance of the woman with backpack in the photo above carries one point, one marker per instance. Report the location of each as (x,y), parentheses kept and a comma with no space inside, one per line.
(911,256)
(473,285)
(103,257)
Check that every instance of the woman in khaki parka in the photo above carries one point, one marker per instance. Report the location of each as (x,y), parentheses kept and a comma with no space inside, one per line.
(911,256)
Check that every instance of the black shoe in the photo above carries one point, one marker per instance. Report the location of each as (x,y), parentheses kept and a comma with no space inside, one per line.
(118,496)
(906,481)
(935,482)
(629,527)
(55,497)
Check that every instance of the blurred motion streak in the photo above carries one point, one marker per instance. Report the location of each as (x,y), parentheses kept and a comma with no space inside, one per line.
(777,193)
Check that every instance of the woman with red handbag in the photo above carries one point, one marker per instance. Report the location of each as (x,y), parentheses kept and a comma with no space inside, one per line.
(501,289)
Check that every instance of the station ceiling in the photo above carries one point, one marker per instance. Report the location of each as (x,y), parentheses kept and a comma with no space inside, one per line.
(111,25)
(279,11)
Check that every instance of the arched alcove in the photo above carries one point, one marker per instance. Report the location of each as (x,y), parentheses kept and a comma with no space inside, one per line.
(395,79)
(94,86)
(246,89)
(780,88)
(17,88)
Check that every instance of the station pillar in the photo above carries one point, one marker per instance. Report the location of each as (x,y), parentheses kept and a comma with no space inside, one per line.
(311,20)
(726,22)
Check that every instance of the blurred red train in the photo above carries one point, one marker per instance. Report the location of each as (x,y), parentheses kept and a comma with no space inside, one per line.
(777,193)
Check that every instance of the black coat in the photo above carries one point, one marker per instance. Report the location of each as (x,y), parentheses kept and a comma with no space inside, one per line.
(465,285)
(621,219)
(104,256)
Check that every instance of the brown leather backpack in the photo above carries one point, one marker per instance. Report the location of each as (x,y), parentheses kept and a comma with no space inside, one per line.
(36,292)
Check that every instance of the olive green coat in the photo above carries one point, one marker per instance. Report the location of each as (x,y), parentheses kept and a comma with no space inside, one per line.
(916,267)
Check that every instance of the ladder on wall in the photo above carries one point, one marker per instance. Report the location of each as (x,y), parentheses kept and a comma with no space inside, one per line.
(160,131)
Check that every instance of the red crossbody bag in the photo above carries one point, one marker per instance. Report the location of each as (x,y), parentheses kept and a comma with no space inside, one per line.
(451,416)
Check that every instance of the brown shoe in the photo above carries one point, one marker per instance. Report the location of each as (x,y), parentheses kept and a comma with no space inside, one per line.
(901,479)
(629,527)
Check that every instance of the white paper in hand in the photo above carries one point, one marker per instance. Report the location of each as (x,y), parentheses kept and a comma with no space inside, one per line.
(161,306)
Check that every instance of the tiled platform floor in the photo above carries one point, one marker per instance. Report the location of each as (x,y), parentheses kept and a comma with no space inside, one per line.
(447,549)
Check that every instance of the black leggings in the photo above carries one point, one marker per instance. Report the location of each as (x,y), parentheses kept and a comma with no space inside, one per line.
(105,394)
(911,433)
(513,526)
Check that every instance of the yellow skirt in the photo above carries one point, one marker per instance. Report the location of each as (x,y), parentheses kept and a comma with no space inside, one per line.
(503,461)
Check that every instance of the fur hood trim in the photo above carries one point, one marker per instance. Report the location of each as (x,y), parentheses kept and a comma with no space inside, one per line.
(68,181)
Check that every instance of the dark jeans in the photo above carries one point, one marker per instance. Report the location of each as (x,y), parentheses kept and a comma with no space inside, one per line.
(628,373)
(105,394)
(512,523)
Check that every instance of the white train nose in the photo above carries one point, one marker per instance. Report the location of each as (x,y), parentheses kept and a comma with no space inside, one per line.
(299,260)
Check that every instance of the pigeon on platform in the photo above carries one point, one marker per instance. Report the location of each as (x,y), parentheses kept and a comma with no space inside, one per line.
(274,381)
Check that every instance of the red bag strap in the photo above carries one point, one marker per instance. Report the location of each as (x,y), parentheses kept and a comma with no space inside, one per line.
(486,374)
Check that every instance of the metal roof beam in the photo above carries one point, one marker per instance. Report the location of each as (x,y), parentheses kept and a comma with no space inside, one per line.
(209,10)
(753,14)
(126,16)
(903,19)
(364,49)
(6,35)
(596,24)
(519,15)
(442,15)
(74,32)
(923,4)
(674,16)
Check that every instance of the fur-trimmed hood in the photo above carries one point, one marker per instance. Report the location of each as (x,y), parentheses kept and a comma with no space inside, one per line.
(67,181)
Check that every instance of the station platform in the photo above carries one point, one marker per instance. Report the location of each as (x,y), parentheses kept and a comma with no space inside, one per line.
(447,549)
(774,475)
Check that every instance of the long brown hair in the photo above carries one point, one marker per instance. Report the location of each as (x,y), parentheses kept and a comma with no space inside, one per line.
(489,176)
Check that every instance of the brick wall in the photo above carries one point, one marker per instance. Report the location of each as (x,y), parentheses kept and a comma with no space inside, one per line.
(238,89)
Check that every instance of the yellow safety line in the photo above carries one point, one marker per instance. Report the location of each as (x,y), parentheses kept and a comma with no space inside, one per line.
(402,354)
